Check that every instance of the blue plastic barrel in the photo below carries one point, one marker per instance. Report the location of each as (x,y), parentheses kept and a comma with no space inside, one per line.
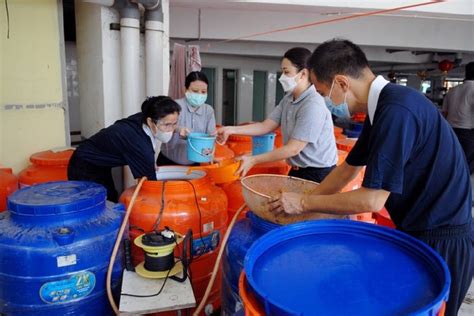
(201,147)
(356,126)
(263,143)
(244,233)
(55,243)
(352,133)
(336,267)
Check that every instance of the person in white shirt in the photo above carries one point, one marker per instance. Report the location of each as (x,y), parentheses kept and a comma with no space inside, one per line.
(458,108)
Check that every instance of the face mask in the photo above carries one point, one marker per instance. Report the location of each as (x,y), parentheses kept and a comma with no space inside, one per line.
(195,99)
(339,110)
(288,83)
(163,137)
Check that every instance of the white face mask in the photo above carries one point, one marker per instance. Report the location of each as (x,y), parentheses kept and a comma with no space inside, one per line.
(288,83)
(163,137)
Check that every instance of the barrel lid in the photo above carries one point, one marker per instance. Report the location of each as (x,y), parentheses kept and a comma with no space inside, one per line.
(55,198)
(340,267)
(58,157)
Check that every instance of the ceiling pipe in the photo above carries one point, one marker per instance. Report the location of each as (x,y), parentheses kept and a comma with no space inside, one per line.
(129,65)
(153,47)
(129,56)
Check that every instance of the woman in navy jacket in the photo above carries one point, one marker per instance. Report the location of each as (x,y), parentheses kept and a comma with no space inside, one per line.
(130,141)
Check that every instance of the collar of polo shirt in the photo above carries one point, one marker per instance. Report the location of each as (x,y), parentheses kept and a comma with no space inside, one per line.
(374,92)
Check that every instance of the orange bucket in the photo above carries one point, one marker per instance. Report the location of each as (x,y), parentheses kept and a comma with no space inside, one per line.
(275,167)
(278,138)
(251,306)
(221,172)
(46,166)
(240,144)
(223,152)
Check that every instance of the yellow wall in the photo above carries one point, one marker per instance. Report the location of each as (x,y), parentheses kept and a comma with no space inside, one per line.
(31,97)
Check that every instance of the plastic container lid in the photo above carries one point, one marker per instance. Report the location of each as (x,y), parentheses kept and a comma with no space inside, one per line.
(52,158)
(53,198)
(328,267)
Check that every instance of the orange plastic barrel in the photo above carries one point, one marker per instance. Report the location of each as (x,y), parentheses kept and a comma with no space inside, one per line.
(191,201)
(355,184)
(235,199)
(338,133)
(341,156)
(251,306)
(383,218)
(46,166)
(345,144)
(359,117)
(8,185)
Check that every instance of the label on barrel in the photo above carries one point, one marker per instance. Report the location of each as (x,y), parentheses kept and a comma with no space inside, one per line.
(206,244)
(73,288)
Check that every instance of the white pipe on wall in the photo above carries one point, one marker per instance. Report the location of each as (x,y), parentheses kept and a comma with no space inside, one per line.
(154,57)
(130,65)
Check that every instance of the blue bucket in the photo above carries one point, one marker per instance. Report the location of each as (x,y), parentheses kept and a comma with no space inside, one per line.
(337,267)
(201,147)
(262,144)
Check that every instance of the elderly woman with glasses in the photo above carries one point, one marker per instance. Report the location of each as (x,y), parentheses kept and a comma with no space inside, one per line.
(131,141)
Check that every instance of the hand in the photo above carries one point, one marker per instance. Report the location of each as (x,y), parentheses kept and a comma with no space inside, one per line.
(184,132)
(246,163)
(223,133)
(287,202)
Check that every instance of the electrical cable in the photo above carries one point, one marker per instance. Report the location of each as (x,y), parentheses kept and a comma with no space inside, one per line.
(349,17)
(159,291)
(117,245)
(8,19)
(162,207)
(200,220)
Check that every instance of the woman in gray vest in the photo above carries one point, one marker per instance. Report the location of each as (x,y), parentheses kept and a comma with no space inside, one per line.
(306,124)
(196,116)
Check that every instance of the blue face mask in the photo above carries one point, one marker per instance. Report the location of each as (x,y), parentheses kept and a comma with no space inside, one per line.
(196,99)
(339,110)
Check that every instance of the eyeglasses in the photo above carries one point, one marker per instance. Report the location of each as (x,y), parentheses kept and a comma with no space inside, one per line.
(167,125)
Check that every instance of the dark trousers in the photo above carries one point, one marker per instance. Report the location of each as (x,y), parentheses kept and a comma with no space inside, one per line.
(78,169)
(162,160)
(466,138)
(311,173)
(455,245)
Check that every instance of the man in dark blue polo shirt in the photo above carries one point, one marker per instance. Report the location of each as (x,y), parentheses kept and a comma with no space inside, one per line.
(414,163)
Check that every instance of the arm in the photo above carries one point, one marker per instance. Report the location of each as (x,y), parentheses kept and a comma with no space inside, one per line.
(354,202)
(253,129)
(211,122)
(338,179)
(292,148)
